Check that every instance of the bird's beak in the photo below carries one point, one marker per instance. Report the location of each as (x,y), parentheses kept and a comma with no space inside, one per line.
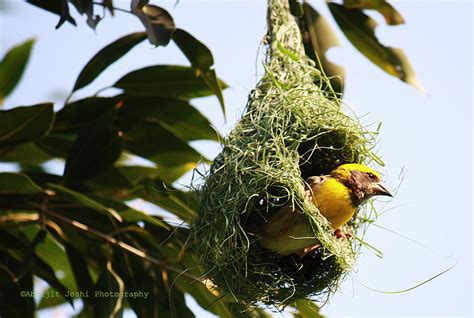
(381,189)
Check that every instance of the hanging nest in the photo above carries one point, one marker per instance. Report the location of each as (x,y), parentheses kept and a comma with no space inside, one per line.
(292,129)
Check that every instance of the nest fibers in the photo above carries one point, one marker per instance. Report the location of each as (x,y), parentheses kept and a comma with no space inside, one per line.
(292,129)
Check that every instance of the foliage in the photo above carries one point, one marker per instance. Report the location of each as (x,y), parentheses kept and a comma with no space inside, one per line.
(76,231)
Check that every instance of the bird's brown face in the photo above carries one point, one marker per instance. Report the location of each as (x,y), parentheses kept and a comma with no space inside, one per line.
(365,185)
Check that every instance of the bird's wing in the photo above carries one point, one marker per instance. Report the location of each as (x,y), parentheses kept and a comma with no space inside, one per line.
(288,215)
(288,229)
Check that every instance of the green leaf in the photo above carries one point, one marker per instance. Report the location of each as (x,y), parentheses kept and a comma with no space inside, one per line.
(201,60)
(166,81)
(197,53)
(56,144)
(96,148)
(25,123)
(140,277)
(82,277)
(159,24)
(12,67)
(17,296)
(27,261)
(18,183)
(178,305)
(307,309)
(179,117)
(391,15)
(59,7)
(109,5)
(109,282)
(132,215)
(210,300)
(360,30)
(47,301)
(120,182)
(154,142)
(74,116)
(183,204)
(295,8)
(321,37)
(27,153)
(52,252)
(106,57)
(44,271)
(78,197)
(87,7)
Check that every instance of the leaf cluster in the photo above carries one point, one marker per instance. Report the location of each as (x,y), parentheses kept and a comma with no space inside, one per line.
(78,231)
(359,28)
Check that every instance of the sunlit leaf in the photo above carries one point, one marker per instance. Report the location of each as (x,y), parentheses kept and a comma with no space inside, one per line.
(44,271)
(159,24)
(12,67)
(106,57)
(47,301)
(360,30)
(320,38)
(22,124)
(52,252)
(166,81)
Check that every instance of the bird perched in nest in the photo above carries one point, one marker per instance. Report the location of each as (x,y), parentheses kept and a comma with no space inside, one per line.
(337,196)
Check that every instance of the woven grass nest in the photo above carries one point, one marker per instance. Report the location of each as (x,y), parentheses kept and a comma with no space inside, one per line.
(292,129)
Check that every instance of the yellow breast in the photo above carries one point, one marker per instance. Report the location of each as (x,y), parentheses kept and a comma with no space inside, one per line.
(334,202)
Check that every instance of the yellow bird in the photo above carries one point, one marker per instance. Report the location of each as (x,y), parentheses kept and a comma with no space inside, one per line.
(337,197)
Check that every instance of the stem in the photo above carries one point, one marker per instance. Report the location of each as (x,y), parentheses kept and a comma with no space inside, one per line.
(130,249)
(114,8)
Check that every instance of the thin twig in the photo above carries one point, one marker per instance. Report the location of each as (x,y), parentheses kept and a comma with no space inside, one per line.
(132,250)
(113,8)
(18,218)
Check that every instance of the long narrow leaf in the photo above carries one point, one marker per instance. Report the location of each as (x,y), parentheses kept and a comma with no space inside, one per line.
(201,60)
(106,57)
(359,28)
(12,67)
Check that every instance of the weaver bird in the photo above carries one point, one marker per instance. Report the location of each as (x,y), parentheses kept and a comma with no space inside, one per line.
(337,196)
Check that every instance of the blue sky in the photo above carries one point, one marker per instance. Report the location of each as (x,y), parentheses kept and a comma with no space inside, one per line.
(425,137)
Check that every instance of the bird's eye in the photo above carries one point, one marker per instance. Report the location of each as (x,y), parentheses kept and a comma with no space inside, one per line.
(371,176)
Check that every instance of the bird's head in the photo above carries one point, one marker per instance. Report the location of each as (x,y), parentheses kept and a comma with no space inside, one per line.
(363,181)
